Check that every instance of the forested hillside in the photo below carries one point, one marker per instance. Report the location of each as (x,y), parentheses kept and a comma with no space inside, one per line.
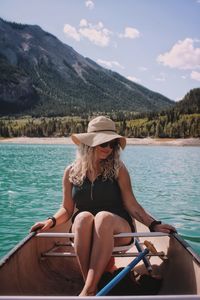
(42,77)
(182,121)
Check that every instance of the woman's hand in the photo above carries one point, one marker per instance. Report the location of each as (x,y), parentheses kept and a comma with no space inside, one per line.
(42,226)
(166,228)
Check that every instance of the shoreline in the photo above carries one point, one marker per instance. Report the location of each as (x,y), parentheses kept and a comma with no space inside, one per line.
(130,141)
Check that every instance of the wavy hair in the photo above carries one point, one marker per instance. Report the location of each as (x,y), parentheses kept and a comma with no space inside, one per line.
(84,162)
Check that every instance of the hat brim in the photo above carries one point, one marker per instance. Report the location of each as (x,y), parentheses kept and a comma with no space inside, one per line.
(94,139)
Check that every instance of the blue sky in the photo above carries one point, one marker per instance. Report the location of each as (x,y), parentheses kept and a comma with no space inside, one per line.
(155,43)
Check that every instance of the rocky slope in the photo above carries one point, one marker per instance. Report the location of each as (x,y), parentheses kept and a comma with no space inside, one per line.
(40,75)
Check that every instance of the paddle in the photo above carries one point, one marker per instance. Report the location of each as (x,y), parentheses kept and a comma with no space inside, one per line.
(145,259)
(153,250)
(122,274)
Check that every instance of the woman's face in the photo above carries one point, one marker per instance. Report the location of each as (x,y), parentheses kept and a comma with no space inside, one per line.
(105,149)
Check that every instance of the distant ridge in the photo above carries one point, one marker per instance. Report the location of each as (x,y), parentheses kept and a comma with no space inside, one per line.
(41,76)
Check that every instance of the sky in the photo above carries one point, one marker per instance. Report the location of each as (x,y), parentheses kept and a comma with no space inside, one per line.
(155,43)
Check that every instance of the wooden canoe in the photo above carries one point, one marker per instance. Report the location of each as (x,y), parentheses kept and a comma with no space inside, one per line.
(45,267)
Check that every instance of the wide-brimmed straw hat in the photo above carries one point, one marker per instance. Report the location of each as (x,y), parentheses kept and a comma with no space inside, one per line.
(100,130)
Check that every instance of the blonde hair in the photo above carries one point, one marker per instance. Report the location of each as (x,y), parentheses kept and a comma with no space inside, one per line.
(84,162)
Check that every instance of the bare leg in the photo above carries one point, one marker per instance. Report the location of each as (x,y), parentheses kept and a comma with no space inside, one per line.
(83,227)
(105,226)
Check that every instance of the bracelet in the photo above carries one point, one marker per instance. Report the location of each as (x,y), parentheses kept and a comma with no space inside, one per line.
(53,220)
(153,224)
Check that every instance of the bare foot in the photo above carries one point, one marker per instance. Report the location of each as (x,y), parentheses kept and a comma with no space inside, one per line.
(87,293)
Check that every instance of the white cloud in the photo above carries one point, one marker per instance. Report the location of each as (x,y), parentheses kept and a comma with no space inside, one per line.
(109,64)
(89,4)
(98,37)
(183,55)
(130,33)
(71,32)
(95,33)
(195,75)
(83,23)
(100,25)
(133,78)
(198,1)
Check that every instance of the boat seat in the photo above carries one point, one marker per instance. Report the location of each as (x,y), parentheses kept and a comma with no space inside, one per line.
(119,251)
(123,248)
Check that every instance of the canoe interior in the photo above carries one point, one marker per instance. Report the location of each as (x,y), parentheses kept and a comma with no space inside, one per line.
(27,272)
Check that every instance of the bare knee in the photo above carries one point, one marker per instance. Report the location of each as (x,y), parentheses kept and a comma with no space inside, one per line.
(104,221)
(83,221)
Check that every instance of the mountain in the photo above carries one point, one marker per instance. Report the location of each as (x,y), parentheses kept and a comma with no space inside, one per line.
(190,104)
(41,76)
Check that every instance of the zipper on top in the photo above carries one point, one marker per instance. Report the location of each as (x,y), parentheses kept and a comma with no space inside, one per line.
(91,190)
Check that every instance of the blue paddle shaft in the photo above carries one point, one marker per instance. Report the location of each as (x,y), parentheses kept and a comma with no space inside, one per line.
(145,260)
(122,274)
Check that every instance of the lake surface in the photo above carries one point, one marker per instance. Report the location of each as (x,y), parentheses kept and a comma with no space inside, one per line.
(166,181)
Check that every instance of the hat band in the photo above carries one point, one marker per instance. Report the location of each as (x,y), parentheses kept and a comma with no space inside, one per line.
(102,130)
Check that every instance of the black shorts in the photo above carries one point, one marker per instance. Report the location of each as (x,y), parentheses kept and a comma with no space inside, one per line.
(119,212)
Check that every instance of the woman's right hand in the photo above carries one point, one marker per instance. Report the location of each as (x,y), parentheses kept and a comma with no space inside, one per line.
(41,226)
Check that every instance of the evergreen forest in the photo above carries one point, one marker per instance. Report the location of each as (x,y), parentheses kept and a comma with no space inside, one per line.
(181,121)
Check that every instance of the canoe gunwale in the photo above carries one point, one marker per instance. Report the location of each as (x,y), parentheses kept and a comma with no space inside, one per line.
(16,248)
(187,247)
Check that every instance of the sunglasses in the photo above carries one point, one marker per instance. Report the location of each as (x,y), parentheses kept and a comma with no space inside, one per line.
(111,144)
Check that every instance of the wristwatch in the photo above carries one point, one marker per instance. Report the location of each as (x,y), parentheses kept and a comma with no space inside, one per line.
(53,220)
(153,224)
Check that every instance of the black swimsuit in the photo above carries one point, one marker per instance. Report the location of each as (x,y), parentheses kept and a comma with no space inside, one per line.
(101,195)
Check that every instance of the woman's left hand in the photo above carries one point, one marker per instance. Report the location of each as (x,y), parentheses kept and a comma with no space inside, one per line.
(166,228)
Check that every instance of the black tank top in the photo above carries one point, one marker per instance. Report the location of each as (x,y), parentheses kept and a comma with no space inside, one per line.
(101,195)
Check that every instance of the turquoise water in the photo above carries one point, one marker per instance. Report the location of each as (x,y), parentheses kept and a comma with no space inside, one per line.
(165,180)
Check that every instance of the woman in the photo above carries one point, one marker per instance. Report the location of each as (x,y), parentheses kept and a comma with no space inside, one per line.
(98,185)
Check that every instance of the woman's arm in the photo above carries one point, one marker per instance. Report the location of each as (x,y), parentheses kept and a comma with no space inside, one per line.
(133,207)
(66,210)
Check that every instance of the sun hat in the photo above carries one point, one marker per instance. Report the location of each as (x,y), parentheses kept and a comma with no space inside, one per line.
(100,130)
